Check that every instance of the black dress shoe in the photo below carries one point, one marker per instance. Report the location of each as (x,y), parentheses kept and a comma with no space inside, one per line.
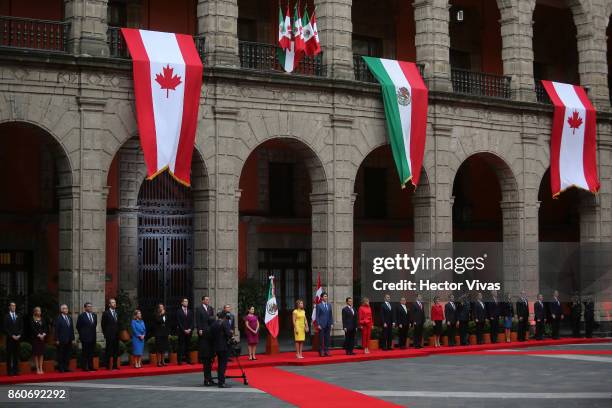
(224,385)
(209,383)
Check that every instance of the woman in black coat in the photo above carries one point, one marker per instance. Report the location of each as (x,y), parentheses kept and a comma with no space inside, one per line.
(161,332)
(39,330)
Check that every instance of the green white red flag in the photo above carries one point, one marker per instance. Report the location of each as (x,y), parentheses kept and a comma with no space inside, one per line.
(271,318)
(573,145)
(405,100)
(298,31)
(284,29)
(312,46)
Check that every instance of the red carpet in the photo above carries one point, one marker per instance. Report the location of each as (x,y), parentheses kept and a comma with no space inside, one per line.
(284,359)
(307,392)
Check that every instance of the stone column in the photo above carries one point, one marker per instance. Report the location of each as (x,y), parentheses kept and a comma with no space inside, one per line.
(441,185)
(68,197)
(512,254)
(322,240)
(88,27)
(203,201)
(218,24)
(432,42)
(336,36)
(517,47)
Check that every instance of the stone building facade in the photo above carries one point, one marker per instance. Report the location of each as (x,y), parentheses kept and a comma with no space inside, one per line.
(82,100)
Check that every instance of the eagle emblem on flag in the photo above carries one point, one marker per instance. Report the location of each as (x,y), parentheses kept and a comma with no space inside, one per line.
(403,96)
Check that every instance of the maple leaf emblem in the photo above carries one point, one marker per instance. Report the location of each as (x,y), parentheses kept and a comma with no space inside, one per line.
(575,121)
(168,80)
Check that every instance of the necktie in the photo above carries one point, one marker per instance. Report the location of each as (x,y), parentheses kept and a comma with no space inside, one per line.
(66,319)
(90,318)
(13,316)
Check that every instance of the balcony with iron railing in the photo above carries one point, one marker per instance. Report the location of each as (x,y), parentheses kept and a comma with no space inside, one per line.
(363,74)
(264,57)
(118,48)
(33,34)
(480,84)
(541,94)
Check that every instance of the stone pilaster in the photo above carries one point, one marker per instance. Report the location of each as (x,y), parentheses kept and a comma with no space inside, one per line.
(512,252)
(441,185)
(432,42)
(88,27)
(218,24)
(517,47)
(336,35)
(203,201)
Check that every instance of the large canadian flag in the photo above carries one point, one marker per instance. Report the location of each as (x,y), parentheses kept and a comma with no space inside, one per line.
(573,150)
(167,84)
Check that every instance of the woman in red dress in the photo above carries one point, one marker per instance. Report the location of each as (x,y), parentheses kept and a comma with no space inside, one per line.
(437,315)
(365,323)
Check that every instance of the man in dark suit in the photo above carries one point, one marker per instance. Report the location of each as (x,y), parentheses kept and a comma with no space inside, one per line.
(64,337)
(386,317)
(221,333)
(480,314)
(493,311)
(450,313)
(402,321)
(205,317)
(539,313)
(349,324)
(184,323)
(418,320)
(576,315)
(589,317)
(110,329)
(522,314)
(87,322)
(465,311)
(325,323)
(556,314)
(13,328)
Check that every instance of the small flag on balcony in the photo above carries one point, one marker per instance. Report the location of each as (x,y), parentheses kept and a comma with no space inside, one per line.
(312,46)
(573,155)
(405,100)
(298,30)
(284,28)
(167,84)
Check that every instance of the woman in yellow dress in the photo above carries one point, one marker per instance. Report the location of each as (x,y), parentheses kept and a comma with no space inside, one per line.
(300,327)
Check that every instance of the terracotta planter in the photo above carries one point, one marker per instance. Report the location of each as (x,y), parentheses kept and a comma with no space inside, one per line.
(501,338)
(96,363)
(457,339)
(445,341)
(25,367)
(132,361)
(153,359)
(49,366)
(193,356)
(50,337)
(432,341)
(373,345)
(173,358)
(2,368)
(487,338)
(513,336)
(124,335)
(473,339)
(73,364)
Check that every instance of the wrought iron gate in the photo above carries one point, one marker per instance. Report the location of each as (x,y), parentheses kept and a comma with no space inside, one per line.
(165,243)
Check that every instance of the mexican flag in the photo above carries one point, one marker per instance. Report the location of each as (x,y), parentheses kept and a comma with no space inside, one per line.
(288,59)
(573,145)
(316,300)
(312,46)
(298,30)
(405,100)
(284,29)
(167,73)
(271,318)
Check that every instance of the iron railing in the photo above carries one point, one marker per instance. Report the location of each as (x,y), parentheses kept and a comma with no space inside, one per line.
(480,84)
(118,49)
(32,33)
(264,57)
(541,94)
(363,74)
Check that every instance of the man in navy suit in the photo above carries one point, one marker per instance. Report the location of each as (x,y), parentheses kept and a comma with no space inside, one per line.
(418,320)
(450,313)
(539,313)
(86,326)
(480,314)
(556,314)
(493,312)
(388,321)
(13,328)
(402,321)
(349,324)
(64,332)
(184,322)
(325,322)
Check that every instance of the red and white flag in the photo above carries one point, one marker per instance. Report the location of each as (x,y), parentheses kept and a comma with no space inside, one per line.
(167,84)
(271,318)
(316,300)
(573,150)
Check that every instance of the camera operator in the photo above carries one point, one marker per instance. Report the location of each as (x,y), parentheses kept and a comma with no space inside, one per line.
(222,341)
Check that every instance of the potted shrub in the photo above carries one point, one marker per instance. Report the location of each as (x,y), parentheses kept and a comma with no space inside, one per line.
(472,332)
(75,356)
(514,330)
(98,352)
(173,343)
(428,333)
(25,354)
(194,346)
(374,338)
(2,360)
(49,360)
(130,351)
(124,313)
(122,349)
(150,345)
(444,335)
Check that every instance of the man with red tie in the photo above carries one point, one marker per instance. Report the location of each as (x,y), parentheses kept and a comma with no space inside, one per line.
(418,320)
(184,322)
(450,312)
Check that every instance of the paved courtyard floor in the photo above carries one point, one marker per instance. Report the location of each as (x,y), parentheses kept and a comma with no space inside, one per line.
(562,376)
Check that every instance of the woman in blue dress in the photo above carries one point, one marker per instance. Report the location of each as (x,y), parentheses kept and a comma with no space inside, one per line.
(508,313)
(138,337)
